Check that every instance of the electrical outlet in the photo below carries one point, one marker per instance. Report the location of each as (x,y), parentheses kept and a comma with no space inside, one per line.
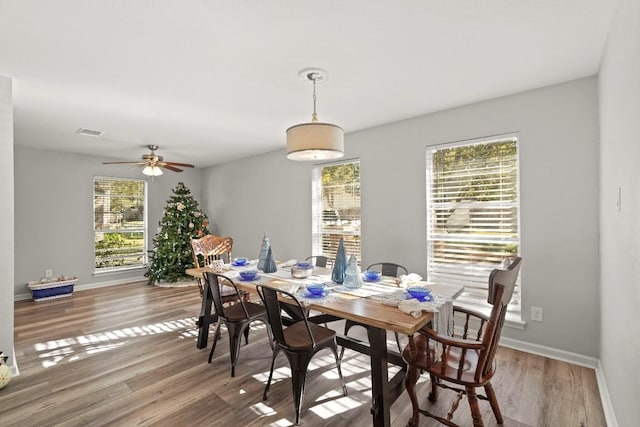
(536,314)
(48,273)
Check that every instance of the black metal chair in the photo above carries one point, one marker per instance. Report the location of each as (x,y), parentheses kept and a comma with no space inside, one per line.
(319,260)
(390,269)
(299,341)
(236,318)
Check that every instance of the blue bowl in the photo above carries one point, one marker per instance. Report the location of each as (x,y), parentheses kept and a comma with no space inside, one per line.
(304,265)
(248,274)
(316,288)
(419,292)
(372,276)
(240,261)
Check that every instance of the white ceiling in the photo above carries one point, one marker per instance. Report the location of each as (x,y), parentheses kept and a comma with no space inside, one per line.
(211,81)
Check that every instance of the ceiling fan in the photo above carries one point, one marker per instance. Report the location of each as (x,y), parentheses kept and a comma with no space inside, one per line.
(154,164)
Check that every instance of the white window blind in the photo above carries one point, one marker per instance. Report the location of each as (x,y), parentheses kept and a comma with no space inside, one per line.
(120,225)
(472,213)
(336,209)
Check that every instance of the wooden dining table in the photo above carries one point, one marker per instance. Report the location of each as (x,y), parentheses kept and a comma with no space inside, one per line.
(377,316)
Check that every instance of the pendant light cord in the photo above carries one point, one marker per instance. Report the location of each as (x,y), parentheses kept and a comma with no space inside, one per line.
(314,118)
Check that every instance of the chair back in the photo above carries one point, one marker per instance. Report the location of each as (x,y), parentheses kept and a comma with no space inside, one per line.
(389,269)
(271,299)
(215,283)
(320,260)
(210,247)
(501,286)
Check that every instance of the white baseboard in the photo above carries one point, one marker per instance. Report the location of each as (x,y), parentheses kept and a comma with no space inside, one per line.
(605,398)
(552,353)
(83,287)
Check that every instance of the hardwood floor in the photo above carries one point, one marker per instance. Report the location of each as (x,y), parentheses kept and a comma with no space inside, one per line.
(126,355)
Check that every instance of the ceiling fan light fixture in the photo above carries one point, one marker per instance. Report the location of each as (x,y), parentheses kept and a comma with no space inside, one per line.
(315,141)
(152,170)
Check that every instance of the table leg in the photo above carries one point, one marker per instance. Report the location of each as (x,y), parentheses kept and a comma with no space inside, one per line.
(380,393)
(206,317)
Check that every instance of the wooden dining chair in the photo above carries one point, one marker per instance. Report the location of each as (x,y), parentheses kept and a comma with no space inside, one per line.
(299,341)
(237,317)
(464,363)
(209,248)
(389,269)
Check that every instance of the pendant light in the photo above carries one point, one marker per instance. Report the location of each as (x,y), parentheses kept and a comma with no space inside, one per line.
(315,140)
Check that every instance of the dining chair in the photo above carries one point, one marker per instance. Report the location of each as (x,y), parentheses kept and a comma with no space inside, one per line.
(319,260)
(205,250)
(299,341)
(389,269)
(466,361)
(237,317)
(209,248)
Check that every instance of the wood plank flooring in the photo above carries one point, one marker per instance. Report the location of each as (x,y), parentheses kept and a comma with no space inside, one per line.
(126,356)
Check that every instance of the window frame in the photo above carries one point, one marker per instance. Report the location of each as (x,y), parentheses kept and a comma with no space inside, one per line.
(317,212)
(476,298)
(144,229)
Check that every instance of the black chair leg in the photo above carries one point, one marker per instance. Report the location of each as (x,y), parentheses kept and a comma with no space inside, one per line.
(265,395)
(246,336)
(398,342)
(215,339)
(236,331)
(347,325)
(299,363)
(334,348)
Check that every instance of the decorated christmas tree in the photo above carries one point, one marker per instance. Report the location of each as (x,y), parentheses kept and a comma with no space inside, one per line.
(182,221)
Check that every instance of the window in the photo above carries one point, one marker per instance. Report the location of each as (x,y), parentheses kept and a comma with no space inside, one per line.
(472,213)
(120,224)
(336,209)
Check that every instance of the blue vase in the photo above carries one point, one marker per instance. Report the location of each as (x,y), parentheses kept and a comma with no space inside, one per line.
(263,251)
(270,263)
(340,264)
(352,279)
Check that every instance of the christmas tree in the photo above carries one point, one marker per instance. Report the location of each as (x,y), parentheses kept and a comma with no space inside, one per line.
(181,222)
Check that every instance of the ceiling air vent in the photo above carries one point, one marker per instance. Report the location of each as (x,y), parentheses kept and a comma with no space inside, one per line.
(90,132)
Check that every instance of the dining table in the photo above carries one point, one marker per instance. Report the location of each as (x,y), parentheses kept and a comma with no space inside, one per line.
(368,305)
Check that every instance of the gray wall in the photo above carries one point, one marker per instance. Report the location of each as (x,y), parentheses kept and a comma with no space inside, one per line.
(6,219)
(54,213)
(620,229)
(559,191)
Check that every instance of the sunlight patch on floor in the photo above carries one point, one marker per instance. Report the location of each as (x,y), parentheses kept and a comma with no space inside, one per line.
(262,409)
(281,423)
(55,351)
(337,405)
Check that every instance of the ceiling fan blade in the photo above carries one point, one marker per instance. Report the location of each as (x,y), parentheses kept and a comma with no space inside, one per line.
(117,163)
(171,168)
(184,165)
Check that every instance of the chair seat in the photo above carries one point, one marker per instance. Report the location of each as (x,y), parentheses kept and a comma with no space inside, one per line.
(236,313)
(451,371)
(297,337)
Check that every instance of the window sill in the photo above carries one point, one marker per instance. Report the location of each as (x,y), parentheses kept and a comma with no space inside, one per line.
(514,320)
(97,273)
